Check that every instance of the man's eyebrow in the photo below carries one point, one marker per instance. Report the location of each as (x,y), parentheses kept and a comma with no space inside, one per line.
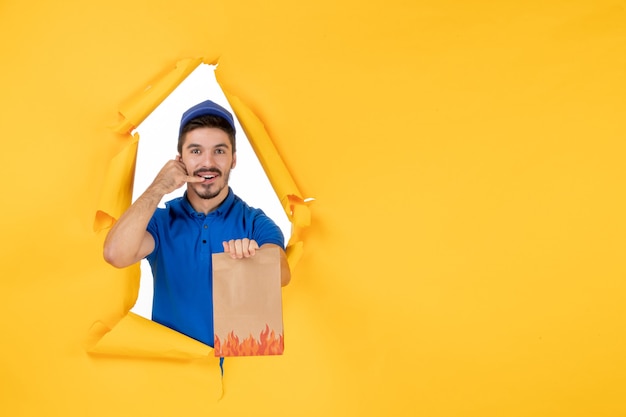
(197,145)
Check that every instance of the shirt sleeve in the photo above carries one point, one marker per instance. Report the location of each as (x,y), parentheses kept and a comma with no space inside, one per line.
(153,230)
(266,231)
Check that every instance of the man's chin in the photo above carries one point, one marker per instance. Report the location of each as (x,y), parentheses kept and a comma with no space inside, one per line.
(206,191)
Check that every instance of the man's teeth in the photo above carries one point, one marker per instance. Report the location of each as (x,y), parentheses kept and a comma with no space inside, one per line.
(208,177)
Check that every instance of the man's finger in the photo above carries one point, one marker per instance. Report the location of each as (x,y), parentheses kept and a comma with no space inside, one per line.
(193,179)
(239,248)
(229,247)
(244,247)
(252,247)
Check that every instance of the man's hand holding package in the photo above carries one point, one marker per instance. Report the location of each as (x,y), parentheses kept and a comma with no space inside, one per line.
(240,248)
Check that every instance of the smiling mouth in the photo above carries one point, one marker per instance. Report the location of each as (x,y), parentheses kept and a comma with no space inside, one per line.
(207,175)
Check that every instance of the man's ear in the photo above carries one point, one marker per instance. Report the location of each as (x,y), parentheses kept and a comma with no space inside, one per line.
(179,158)
(234,161)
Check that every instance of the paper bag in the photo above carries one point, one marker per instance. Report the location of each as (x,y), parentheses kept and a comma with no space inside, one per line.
(247,304)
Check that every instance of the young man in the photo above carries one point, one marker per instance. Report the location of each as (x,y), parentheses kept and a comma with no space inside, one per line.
(178,240)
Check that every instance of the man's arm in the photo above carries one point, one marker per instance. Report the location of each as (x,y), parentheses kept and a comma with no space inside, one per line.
(245,248)
(128,241)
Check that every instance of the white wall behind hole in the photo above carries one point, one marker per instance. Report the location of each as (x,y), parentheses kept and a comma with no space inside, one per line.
(158,135)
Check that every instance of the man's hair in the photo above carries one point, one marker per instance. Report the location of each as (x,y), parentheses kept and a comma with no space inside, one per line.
(207,121)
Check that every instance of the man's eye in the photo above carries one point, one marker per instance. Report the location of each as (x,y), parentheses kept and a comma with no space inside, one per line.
(220,151)
(196,151)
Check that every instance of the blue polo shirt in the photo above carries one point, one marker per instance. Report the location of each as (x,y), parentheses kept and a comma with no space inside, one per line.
(181,260)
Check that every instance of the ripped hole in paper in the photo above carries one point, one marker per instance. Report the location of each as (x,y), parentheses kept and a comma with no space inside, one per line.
(157,144)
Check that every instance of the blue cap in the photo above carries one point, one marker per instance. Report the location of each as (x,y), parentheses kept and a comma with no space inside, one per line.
(206,108)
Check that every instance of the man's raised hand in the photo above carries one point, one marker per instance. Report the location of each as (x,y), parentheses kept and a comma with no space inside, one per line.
(172,176)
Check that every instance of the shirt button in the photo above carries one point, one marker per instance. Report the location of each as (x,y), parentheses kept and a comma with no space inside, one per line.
(205,226)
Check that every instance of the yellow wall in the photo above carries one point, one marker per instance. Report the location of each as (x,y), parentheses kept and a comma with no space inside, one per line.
(465,256)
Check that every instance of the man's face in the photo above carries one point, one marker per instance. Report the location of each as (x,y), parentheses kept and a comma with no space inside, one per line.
(207,153)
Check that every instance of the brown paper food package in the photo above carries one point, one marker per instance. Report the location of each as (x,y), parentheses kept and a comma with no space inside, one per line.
(247,304)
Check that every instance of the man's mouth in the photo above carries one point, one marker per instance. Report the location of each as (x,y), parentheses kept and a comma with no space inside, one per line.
(207,176)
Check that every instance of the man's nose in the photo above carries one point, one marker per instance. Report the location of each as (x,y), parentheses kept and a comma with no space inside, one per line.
(207,159)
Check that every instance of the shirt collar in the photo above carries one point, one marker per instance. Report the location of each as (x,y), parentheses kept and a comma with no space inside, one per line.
(219,211)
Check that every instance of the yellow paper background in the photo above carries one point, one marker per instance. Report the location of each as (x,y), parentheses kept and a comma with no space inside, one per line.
(465,254)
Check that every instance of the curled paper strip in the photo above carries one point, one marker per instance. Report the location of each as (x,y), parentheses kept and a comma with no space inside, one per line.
(295,206)
(117,190)
(136,109)
(135,336)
